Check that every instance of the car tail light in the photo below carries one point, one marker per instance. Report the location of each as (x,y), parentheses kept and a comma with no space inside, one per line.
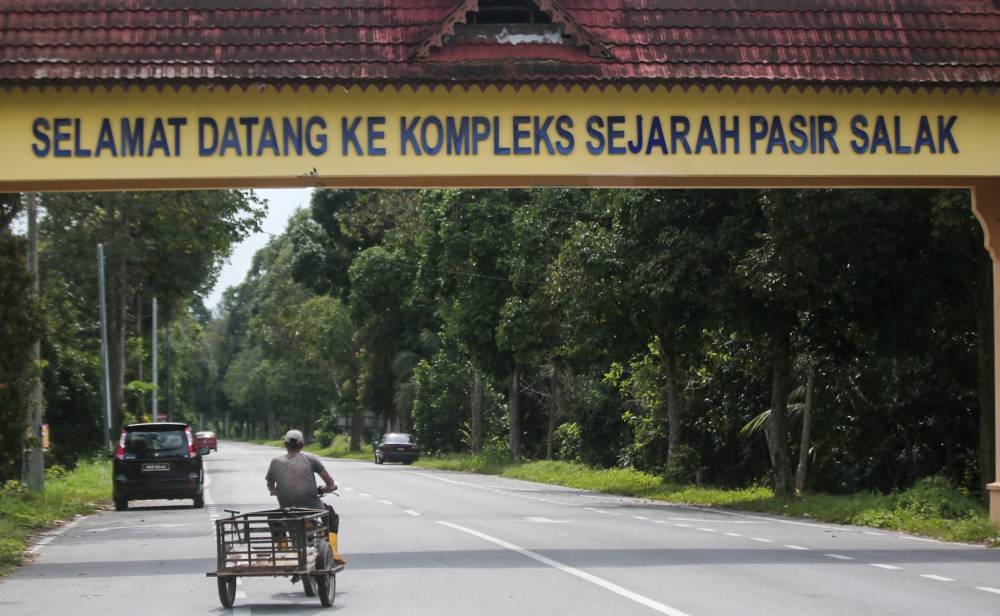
(192,452)
(120,452)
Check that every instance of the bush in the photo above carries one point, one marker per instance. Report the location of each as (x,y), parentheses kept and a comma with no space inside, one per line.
(569,442)
(684,466)
(935,497)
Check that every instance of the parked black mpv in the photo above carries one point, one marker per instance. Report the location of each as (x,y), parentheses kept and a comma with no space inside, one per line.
(157,460)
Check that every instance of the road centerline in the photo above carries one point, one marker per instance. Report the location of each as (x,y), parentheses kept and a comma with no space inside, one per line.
(583,575)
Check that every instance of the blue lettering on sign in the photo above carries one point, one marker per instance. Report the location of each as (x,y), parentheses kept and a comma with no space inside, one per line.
(680,126)
(615,134)
(349,135)
(375,136)
(437,134)
(480,132)
(521,134)
(797,134)
(564,128)
(729,135)
(268,138)
(316,141)
(706,137)
(595,145)
(407,134)
(42,145)
(106,140)
(498,149)
(541,130)
(459,135)
(892,137)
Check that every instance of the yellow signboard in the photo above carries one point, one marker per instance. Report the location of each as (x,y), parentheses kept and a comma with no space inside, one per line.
(118,138)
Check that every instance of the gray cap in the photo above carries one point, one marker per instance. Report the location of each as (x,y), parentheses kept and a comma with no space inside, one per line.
(294,436)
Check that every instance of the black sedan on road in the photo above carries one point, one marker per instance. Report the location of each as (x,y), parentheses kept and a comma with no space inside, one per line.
(395,447)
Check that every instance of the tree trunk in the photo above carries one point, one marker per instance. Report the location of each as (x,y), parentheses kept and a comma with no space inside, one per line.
(802,472)
(672,399)
(984,365)
(514,410)
(476,404)
(356,429)
(555,409)
(777,431)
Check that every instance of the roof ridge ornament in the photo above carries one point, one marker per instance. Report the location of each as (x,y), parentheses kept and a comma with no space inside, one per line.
(553,8)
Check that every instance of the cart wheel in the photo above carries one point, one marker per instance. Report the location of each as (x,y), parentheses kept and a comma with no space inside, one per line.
(307,586)
(227,590)
(326,583)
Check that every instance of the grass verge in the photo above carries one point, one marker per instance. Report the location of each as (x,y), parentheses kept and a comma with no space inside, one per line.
(339,448)
(22,513)
(931,508)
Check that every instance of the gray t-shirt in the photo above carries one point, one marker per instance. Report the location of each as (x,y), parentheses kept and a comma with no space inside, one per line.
(293,474)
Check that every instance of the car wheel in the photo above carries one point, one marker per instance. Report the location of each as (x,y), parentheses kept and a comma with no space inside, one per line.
(227,590)
(199,501)
(121,504)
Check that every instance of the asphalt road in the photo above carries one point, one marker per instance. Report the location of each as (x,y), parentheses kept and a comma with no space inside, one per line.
(423,542)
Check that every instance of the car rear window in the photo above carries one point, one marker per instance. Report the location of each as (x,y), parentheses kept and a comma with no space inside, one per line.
(398,438)
(141,442)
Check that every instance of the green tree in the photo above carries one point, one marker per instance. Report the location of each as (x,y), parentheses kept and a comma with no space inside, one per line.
(20,325)
(167,245)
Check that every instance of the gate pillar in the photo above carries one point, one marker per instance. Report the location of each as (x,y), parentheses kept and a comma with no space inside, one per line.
(986,206)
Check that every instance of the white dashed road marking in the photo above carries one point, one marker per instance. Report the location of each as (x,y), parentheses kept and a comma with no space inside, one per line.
(886,567)
(593,579)
(936,578)
(839,556)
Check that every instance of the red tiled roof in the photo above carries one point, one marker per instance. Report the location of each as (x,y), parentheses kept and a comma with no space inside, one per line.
(387,42)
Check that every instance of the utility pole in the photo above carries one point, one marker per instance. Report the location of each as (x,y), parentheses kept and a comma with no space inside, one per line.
(106,381)
(156,378)
(36,457)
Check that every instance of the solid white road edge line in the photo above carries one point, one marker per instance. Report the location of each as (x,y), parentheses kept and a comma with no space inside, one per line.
(593,579)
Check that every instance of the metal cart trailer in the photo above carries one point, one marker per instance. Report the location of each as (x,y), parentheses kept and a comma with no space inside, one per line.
(281,542)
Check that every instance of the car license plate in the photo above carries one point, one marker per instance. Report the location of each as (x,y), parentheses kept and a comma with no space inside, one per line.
(155,466)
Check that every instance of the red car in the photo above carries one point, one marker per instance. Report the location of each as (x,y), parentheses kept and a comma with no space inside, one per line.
(205,442)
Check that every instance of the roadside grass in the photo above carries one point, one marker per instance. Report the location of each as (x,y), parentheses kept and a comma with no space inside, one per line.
(339,448)
(931,508)
(67,493)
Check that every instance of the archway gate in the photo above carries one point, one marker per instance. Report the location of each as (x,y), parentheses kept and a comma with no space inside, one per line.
(715,93)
